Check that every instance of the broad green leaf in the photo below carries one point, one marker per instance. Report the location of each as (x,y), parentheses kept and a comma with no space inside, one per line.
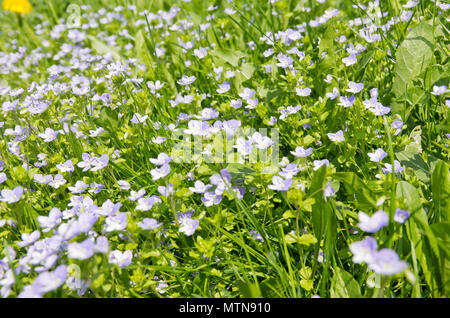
(416,163)
(343,285)
(440,187)
(364,196)
(412,57)
(102,48)
(229,55)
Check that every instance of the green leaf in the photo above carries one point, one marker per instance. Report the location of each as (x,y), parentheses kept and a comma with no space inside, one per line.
(343,285)
(440,187)
(412,57)
(102,48)
(364,196)
(229,55)
(247,70)
(416,163)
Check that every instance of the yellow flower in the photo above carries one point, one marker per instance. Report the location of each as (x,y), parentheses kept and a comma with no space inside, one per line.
(19,6)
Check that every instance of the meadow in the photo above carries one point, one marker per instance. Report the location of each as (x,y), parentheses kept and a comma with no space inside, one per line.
(224,148)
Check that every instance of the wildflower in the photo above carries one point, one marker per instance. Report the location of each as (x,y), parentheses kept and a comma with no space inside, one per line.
(401,216)
(211,198)
(374,223)
(346,101)
(197,127)
(159,173)
(136,195)
(334,94)
(280,184)
(354,87)
(120,259)
(186,80)
(66,166)
(83,250)
(377,155)
(236,103)
(224,87)
(58,180)
(28,239)
(79,187)
(289,171)
(187,224)
(146,204)
(162,287)
(51,221)
(48,281)
(166,191)
(439,90)
(398,125)
(303,91)
(162,159)
(149,224)
(11,196)
(350,60)
(138,119)
(109,208)
(363,251)
(387,262)
(124,185)
(337,137)
(18,6)
(116,222)
(200,187)
(320,163)
(301,152)
(256,236)
(388,167)
(410,4)
(48,135)
(329,191)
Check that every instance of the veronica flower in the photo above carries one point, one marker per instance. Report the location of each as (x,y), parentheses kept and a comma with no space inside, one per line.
(346,101)
(387,262)
(211,198)
(39,178)
(146,204)
(306,91)
(379,110)
(28,239)
(401,216)
(58,180)
(398,125)
(162,159)
(388,167)
(300,152)
(410,4)
(79,187)
(48,281)
(284,61)
(82,251)
(100,162)
(3,177)
(86,162)
(364,251)
(120,259)
(66,166)
(289,171)
(186,80)
(334,94)
(374,223)
(247,93)
(197,127)
(320,163)
(261,142)
(136,195)
(355,88)
(51,221)
(116,222)
(200,187)
(236,103)
(109,208)
(224,87)
(187,224)
(350,60)
(337,137)
(159,173)
(280,184)
(138,119)
(329,191)
(439,90)
(11,196)
(377,155)
(149,224)
(48,135)
(158,140)
(124,185)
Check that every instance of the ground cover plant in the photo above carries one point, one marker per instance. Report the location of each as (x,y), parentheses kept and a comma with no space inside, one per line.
(236,148)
